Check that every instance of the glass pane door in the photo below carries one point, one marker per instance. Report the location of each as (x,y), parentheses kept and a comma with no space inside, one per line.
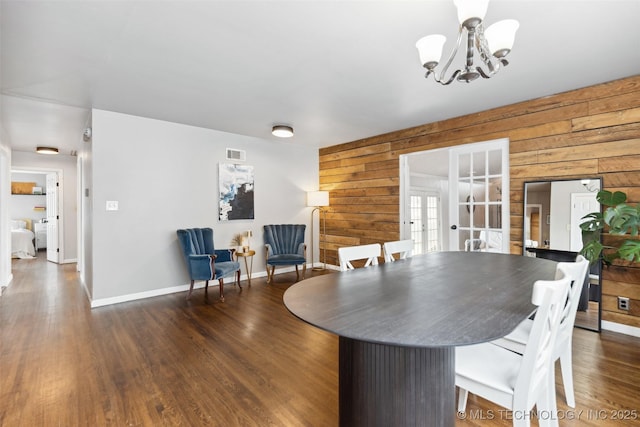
(426,228)
(478,175)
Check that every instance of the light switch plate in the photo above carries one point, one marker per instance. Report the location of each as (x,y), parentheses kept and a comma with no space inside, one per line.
(112,205)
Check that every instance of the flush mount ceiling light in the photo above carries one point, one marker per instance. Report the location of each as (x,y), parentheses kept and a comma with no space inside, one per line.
(492,44)
(282,131)
(46,150)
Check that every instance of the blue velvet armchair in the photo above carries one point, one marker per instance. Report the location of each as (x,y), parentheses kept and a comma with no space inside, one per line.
(204,262)
(285,246)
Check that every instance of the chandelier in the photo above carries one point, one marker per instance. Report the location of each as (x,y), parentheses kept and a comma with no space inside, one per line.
(492,44)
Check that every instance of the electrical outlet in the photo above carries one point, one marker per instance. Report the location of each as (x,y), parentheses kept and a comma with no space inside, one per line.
(623,303)
(112,205)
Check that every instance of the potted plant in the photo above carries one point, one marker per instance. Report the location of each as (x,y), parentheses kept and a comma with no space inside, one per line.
(237,241)
(241,241)
(618,219)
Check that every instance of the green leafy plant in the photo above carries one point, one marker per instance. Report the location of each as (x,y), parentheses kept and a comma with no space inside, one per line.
(619,218)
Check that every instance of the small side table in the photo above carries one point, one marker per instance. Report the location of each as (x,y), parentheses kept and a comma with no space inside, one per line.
(40,230)
(248,254)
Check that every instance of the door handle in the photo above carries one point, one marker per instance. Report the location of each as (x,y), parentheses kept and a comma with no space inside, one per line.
(454,227)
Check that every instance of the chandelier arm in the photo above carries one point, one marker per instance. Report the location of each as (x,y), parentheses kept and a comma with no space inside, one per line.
(482,73)
(493,69)
(449,61)
(494,65)
(487,58)
(452,78)
(482,46)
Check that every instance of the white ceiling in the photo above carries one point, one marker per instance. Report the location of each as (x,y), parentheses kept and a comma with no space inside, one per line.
(336,71)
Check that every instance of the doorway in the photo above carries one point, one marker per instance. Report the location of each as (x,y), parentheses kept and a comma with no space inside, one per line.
(43,208)
(425,221)
(471,183)
(532,224)
(582,204)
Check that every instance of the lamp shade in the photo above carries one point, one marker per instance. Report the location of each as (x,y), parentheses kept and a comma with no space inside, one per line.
(317,198)
(430,49)
(471,9)
(501,35)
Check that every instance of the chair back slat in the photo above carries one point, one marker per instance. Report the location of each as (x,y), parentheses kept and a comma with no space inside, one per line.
(537,360)
(403,248)
(577,272)
(196,241)
(351,253)
(284,238)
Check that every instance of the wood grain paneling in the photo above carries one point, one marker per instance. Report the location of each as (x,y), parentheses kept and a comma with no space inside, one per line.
(593,131)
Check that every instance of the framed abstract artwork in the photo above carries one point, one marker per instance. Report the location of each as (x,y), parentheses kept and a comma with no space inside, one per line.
(235,195)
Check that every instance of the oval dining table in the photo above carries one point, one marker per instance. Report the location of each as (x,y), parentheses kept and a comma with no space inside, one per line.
(399,324)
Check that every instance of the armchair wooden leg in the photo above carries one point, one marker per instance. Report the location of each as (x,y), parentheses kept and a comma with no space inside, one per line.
(190,290)
(270,273)
(297,273)
(221,281)
(304,270)
(238,279)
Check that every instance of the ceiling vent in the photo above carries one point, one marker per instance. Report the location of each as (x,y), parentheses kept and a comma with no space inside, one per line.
(238,155)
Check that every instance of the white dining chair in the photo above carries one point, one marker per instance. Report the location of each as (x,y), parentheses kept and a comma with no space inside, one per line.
(403,248)
(517,340)
(351,253)
(513,381)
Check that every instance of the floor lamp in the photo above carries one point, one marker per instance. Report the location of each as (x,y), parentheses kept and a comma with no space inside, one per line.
(318,199)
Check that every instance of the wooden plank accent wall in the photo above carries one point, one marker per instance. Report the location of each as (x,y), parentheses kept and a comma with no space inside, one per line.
(593,131)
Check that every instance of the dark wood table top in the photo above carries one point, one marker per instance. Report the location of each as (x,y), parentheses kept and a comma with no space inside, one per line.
(432,300)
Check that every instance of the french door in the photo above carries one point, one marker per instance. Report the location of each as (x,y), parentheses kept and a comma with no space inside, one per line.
(425,221)
(479,197)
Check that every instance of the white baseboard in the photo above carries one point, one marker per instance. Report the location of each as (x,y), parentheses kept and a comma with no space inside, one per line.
(9,280)
(173,289)
(86,290)
(5,286)
(142,295)
(620,328)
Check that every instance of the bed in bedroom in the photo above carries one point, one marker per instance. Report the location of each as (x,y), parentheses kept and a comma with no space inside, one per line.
(22,239)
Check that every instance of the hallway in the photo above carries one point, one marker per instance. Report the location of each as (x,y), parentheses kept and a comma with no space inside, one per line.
(159,361)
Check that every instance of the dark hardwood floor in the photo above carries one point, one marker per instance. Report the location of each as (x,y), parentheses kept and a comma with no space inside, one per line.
(244,362)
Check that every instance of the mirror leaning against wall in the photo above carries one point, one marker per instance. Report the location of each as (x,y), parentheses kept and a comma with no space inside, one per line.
(553,211)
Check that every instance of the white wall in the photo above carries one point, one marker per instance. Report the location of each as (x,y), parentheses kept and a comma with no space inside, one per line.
(67,165)
(5,217)
(165,177)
